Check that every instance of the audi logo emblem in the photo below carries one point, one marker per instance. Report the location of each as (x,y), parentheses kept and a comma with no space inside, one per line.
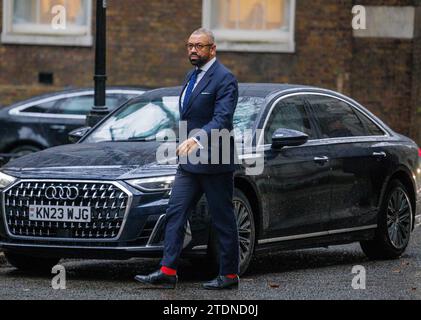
(61,193)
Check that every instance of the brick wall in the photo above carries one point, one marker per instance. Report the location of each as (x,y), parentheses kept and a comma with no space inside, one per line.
(20,65)
(145,47)
(416,81)
(382,79)
(323,49)
(382,75)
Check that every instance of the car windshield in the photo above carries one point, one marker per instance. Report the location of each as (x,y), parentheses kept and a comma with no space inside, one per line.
(146,119)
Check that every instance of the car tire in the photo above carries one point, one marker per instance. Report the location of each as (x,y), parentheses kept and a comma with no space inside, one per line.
(24,150)
(395,220)
(247,235)
(30,263)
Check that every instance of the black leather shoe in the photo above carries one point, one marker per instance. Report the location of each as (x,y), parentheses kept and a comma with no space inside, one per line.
(157,280)
(221,283)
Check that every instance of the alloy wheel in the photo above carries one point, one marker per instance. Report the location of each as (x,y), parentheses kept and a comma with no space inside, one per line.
(399,215)
(244,226)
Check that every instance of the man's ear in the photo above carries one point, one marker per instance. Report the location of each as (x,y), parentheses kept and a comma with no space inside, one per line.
(213,48)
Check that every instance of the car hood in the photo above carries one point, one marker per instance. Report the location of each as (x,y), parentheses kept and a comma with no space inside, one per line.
(99,161)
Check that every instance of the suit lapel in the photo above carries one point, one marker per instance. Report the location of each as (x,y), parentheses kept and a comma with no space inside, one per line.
(200,86)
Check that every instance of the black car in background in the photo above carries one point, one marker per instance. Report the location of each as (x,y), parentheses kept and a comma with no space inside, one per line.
(333,174)
(45,121)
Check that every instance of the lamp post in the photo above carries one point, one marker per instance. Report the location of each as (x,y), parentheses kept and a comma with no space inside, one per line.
(99,110)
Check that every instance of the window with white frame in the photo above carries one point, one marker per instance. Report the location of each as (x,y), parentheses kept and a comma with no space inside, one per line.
(32,22)
(251,25)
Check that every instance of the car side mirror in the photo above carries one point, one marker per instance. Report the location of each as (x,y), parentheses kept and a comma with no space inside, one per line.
(77,134)
(288,138)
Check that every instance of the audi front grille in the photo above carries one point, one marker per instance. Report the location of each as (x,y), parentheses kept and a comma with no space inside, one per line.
(109,203)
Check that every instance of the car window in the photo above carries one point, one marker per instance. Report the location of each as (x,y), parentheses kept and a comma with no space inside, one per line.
(139,120)
(372,128)
(149,116)
(82,105)
(45,107)
(336,118)
(289,113)
(245,115)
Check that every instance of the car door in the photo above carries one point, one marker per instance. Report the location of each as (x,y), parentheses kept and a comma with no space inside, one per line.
(28,122)
(299,176)
(70,113)
(358,159)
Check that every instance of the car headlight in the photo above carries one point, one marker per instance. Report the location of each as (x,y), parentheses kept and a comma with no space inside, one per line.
(163,183)
(6,180)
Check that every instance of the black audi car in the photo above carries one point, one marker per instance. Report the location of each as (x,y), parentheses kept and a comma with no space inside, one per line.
(45,121)
(331,173)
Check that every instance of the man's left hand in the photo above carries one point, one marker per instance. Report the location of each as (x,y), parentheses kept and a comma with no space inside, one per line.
(187,147)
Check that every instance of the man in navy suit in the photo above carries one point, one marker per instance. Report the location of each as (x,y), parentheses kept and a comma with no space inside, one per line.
(207,105)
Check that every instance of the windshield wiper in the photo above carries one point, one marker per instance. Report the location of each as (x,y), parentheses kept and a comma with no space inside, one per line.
(135,139)
(138,139)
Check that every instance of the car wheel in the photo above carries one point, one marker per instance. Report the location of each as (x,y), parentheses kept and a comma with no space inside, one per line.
(246,232)
(23,150)
(394,225)
(30,263)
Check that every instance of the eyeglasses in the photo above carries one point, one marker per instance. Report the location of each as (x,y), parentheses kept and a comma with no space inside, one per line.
(197,46)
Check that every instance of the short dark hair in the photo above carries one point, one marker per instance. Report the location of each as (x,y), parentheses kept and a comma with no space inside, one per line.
(207,32)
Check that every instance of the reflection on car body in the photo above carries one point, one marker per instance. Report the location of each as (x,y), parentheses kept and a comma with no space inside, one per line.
(317,187)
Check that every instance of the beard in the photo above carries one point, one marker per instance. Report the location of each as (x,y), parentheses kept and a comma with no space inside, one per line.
(197,60)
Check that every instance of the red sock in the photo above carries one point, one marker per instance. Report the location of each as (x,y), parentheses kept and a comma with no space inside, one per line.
(168,271)
(231,276)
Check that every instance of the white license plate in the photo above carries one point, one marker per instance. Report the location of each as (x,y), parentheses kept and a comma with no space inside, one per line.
(59,213)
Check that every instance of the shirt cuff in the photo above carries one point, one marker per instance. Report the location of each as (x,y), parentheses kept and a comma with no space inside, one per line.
(197,141)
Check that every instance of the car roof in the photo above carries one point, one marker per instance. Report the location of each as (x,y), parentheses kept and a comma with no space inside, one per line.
(263,90)
(268,91)
(75,90)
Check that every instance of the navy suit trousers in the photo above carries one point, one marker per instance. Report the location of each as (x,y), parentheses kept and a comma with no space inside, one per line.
(188,188)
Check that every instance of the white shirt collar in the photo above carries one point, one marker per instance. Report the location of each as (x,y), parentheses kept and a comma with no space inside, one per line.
(208,64)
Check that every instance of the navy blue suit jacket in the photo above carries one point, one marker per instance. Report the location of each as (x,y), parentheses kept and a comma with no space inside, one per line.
(211,106)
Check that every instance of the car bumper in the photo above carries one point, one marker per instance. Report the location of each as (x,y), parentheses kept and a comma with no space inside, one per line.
(74,251)
(141,235)
(86,252)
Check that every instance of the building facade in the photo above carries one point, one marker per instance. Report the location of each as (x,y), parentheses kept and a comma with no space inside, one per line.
(287,41)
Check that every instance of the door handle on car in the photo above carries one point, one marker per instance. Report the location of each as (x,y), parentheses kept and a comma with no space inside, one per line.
(379,154)
(58,127)
(321,160)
